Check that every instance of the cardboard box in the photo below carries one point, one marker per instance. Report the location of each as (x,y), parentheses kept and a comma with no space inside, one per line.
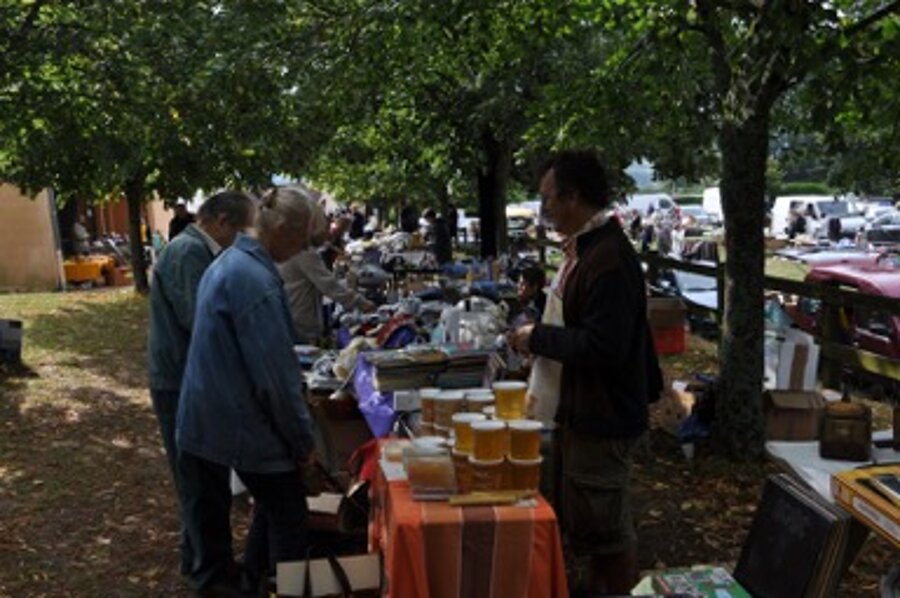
(663,312)
(852,491)
(793,415)
(363,572)
(340,429)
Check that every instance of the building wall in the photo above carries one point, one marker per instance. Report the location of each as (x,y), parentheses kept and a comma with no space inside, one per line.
(28,257)
(158,217)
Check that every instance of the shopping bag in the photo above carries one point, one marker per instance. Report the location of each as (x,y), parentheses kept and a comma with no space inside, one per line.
(358,576)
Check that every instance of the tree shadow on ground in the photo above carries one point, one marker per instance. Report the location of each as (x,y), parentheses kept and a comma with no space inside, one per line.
(101,335)
(86,503)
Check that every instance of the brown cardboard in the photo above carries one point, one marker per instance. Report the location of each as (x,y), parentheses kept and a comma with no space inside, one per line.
(340,429)
(665,312)
(793,415)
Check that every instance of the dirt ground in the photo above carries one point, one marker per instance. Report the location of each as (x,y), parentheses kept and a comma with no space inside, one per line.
(87,507)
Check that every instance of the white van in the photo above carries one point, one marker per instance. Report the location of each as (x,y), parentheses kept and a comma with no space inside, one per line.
(820,207)
(660,202)
(712,203)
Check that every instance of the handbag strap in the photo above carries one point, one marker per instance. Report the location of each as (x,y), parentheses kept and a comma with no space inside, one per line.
(336,568)
(341,575)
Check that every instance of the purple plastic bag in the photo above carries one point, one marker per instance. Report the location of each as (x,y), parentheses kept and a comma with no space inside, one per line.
(377,407)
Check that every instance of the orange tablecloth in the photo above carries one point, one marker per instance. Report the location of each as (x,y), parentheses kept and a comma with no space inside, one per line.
(89,268)
(434,550)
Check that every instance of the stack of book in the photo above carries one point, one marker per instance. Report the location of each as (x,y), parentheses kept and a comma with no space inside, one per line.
(465,369)
(403,369)
(872,494)
(797,545)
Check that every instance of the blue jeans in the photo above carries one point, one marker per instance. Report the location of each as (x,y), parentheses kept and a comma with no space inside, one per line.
(206,512)
(165,404)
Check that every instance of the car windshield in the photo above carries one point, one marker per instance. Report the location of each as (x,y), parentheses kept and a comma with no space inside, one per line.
(833,208)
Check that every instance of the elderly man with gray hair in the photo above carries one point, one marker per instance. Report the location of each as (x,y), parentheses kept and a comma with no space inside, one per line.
(242,400)
(173,299)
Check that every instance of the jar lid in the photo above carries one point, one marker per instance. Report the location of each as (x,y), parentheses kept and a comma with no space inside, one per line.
(468,417)
(489,425)
(510,385)
(525,425)
(429,393)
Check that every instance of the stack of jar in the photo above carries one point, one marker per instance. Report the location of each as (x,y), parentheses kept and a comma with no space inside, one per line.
(439,407)
(501,452)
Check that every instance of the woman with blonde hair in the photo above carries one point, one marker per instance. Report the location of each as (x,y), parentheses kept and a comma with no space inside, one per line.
(242,401)
(307,280)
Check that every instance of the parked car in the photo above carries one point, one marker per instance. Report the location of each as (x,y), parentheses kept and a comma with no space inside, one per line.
(872,330)
(827,256)
(884,230)
(660,203)
(818,210)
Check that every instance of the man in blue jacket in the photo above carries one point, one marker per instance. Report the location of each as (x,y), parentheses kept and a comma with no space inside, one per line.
(242,401)
(173,297)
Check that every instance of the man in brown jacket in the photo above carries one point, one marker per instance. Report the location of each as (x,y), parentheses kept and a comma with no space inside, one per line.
(609,370)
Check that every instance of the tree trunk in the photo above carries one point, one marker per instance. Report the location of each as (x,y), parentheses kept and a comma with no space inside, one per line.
(134,194)
(739,422)
(492,180)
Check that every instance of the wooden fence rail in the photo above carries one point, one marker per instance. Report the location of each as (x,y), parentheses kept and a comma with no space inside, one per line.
(836,356)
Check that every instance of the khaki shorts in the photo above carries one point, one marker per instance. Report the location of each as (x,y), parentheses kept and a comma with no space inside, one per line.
(591,492)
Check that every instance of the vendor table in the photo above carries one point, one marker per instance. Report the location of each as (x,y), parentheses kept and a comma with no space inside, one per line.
(432,549)
(802,459)
(87,269)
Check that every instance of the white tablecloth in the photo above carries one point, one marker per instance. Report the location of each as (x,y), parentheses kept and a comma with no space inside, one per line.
(804,460)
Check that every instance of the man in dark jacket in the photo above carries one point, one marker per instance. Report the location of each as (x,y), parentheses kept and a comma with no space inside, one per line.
(609,370)
(173,298)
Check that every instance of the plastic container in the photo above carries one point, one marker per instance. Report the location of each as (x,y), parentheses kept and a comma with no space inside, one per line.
(463,472)
(426,397)
(446,403)
(525,475)
(490,440)
(487,476)
(509,399)
(477,401)
(670,341)
(462,429)
(430,471)
(525,439)
(442,432)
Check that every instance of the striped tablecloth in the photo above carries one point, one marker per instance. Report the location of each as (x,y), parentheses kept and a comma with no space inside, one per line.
(434,550)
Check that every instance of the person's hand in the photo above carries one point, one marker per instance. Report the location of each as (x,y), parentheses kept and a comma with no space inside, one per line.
(520,338)
(367,307)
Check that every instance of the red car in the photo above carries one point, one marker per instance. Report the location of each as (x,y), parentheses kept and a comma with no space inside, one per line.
(871,330)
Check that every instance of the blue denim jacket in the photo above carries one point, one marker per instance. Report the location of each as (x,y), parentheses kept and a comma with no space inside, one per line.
(242,399)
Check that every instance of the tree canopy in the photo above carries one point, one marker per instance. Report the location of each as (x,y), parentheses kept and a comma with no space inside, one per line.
(424,102)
